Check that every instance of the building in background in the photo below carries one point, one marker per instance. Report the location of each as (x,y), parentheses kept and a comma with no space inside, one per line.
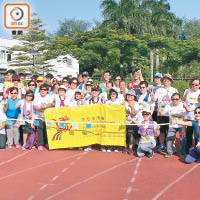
(61,66)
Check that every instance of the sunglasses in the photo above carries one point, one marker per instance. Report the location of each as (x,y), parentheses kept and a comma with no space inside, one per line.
(74,82)
(144,113)
(197,113)
(16,80)
(13,93)
(65,81)
(32,85)
(195,84)
(142,87)
(175,99)
(118,79)
(44,89)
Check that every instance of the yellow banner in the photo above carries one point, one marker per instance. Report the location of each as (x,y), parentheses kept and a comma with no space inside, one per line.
(69,129)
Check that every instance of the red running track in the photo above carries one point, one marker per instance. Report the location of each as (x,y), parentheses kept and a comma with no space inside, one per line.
(73,174)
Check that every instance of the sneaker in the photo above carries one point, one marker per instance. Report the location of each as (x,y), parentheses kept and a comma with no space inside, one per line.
(103,149)
(23,147)
(161,148)
(9,146)
(108,150)
(40,148)
(150,155)
(88,149)
(116,150)
(174,149)
(167,155)
(130,151)
(18,146)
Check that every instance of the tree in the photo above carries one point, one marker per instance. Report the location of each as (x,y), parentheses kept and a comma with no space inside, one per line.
(138,17)
(30,54)
(191,29)
(72,26)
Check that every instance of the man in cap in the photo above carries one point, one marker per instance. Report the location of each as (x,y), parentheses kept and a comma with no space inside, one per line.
(163,96)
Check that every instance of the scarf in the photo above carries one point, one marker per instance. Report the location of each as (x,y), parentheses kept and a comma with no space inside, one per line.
(62,104)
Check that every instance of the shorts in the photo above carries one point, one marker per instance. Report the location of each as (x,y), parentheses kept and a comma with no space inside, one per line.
(26,128)
(163,128)
(131,134)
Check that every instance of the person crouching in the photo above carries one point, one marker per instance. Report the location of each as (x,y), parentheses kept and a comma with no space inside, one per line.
(148,130)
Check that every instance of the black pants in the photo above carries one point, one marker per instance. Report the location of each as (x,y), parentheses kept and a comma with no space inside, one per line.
(2,141)
(41,133)
(189,139)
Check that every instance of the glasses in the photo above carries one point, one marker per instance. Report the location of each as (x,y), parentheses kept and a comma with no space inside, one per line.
(65,81)
(43,89)
(142,87)
(144,113)
(32,85)
(74,82)
(29,95)
(13,93)
(175,99)
(195,84)
(16,80)
(197,113)
(118,79)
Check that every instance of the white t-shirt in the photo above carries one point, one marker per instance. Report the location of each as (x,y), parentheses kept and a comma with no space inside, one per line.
(2,119)
(144,104)
(58,101)
(149,138)
(38,101)
(129,112)
(70,94)
(175,113)
(75,103)
(163,96)
(191,99)
(117,101)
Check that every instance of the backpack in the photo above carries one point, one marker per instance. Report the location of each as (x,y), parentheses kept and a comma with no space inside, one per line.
(31,140)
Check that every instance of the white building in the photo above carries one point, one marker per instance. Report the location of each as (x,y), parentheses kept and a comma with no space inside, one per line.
(60,67)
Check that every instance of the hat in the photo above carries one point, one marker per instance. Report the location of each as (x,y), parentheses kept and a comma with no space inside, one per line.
(35,76)
(159,75)
(96,88)
(85,74)
(40,78)
(49,76)
(78,91)
(62,87)
(89,83)
(114,89)
(168,76)
(131,92)
(15,78)
(147,110)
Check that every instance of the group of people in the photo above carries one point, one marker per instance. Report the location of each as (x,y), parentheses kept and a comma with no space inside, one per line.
(154,113)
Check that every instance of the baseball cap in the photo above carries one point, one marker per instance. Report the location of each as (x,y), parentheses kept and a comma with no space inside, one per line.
(159,75)
(78,91)
(147,110)
(15,78)
(85,74)
(40,78)
(96,88)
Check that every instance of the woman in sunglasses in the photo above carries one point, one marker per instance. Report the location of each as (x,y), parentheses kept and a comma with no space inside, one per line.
(32,86)
(194,153)
(12,126)
(41,102)
(176,112)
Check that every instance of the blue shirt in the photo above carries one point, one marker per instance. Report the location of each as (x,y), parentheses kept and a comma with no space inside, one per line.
(12,111)
(196,130)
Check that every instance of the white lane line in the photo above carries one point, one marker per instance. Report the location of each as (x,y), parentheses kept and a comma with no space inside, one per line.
(54,178)
(72,163)
(130,189)
(88,179)
(174,182)
(38,166)
(14,158)
(64,170)
(44,186)
(31,198)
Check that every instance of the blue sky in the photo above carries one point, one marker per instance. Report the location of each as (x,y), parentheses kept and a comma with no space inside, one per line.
(50,11)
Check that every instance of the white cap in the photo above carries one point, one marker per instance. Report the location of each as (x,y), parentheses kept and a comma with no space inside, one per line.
(62,87)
